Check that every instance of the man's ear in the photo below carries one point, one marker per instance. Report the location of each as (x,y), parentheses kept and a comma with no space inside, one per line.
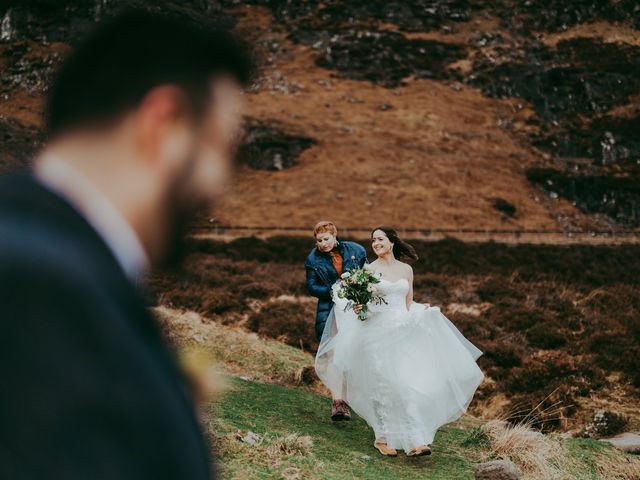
(158,120)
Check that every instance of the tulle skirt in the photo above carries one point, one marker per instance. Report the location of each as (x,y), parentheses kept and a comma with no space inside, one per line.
(406,373)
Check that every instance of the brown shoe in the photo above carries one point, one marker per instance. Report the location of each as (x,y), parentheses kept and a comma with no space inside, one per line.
(420,451)
(384,449)
(340,411)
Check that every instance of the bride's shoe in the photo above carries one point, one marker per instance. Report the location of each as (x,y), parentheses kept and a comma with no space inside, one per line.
(385,450)
(419,451)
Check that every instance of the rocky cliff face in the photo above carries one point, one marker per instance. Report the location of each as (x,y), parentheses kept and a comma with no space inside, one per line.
(419,113)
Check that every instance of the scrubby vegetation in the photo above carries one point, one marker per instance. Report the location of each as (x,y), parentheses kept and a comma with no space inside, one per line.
(559,325)
(605,424)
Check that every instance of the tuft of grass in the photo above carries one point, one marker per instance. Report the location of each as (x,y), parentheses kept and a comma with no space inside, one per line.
(277,455)
(537,455)
(476,437)
(291,444)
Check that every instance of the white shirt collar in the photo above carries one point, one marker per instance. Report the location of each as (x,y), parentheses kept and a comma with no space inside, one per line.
(99,211)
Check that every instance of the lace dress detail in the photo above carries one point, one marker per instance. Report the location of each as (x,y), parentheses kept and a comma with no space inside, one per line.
(406,371)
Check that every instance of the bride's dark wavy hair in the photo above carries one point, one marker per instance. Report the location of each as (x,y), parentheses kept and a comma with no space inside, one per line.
(401,249)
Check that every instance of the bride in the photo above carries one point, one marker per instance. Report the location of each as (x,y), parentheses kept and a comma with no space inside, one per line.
(406,369)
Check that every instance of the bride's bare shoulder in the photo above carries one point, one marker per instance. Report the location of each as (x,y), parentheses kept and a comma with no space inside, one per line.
(372,267)
(408,269)
(404,266)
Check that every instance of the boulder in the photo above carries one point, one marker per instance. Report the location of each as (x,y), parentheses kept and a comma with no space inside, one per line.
(627,442)
(497,470)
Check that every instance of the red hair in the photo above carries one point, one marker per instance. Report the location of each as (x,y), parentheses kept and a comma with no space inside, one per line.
(325,226)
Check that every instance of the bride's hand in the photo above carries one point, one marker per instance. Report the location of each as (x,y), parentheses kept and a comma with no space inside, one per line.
(357,308)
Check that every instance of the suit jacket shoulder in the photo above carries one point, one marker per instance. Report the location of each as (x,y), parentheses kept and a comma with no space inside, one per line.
(88,381)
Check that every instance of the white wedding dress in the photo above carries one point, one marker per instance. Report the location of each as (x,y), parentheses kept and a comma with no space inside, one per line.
(406,372)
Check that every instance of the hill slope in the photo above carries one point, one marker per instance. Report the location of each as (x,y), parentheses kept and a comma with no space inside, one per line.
(420,114)
(295,439)
(424,154)
(550,319)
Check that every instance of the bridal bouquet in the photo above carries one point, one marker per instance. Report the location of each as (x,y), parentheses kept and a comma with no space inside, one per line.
(358,287)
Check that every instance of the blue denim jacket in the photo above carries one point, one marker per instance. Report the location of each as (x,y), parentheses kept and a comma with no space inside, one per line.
(321,275)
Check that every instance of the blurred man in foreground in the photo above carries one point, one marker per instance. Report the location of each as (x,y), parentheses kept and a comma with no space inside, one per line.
(142,119)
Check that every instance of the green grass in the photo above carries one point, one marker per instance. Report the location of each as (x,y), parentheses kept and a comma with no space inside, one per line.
(583,450)
(344,450)
(598,460)
(340,450)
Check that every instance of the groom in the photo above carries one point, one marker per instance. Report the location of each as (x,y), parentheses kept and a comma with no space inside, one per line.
(325,264)
(141,122)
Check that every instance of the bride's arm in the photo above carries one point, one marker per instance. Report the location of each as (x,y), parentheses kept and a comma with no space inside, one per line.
(410,292)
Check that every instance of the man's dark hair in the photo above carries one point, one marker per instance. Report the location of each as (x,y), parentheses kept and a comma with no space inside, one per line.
(110,71)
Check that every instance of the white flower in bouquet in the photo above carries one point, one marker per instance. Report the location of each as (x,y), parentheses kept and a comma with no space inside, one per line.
(359,289)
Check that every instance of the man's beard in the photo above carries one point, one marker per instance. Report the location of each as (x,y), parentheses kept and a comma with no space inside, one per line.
(177,238)
(182,209)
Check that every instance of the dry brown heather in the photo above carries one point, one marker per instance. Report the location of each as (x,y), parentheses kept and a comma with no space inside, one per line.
(558,325)
(429,153)
(436,157)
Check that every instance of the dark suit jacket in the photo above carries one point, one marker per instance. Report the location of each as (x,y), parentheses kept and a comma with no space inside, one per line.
(88,389)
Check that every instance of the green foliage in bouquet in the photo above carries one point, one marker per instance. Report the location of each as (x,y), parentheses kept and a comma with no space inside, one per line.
(358,287)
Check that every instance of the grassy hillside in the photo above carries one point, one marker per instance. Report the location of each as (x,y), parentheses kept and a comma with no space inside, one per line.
(295,438)
(338,451)
(281,416)
(552,320)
